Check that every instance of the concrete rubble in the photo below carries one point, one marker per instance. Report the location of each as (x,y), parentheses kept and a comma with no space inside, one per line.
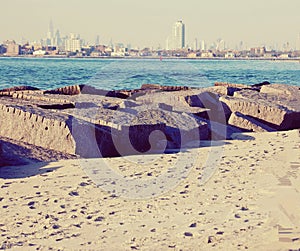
(88,122)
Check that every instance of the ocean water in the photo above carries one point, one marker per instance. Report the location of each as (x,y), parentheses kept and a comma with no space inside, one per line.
(131,73)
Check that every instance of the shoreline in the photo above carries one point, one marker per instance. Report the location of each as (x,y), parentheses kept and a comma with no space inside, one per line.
(157,58)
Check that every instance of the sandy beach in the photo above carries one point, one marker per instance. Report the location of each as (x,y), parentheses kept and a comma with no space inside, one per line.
(251,202)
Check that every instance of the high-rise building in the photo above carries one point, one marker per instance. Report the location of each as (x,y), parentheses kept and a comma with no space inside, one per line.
(202,46)
(177,40)
(179,35)
(195,46)
(97,41)
(298,42)
(12,48)
(73,43)
(50,34)
(220,44)
(56,40)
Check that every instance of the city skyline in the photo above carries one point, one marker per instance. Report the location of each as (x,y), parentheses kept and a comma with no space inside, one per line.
(131,22)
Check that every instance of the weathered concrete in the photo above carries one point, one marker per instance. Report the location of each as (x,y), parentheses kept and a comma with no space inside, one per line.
(89,122)
(150,86)
(175,99)
(229,89)
(247,123)
(231,85)
(282,90)
(210,101)
(67,90)
(35,126)
(19,88)
(133,126)
(14,153)
(281,113)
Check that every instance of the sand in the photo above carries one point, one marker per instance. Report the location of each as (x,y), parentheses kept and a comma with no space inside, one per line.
(250,202)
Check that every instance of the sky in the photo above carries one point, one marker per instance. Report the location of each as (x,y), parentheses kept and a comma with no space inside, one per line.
(147,23)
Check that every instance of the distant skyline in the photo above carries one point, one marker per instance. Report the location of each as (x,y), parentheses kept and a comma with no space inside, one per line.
(148,23)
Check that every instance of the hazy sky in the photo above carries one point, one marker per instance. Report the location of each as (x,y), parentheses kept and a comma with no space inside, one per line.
(148,23)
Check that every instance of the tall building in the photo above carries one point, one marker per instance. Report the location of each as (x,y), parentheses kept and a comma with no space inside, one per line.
(179,35)
(195,46)
(97,41)
(56,40)
(298,42)
(50,34)
(177,40)
(73,43)
(12,49)
(202,46)
(220,45)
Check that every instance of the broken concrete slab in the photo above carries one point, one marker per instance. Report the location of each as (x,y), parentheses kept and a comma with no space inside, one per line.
(280,113)
(281,89)
(36,126)
(248,123)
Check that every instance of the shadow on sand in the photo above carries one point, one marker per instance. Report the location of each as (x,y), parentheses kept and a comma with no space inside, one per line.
(25,171)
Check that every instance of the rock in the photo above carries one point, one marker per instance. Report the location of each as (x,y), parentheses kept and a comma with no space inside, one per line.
(204,100)
(226,84)
(211,239)
(37,127)
(16,153)
(177,129)
(215,110)
(68,90)
(150,86)
(171,100)
(163,88)
(248,123)
(123,94)
(188,234)
(133,130)
(127,104)
(85,121)
(221,131)
(100,218)
(86,89)
(223,90)
(229,88)
(73,193)
(55,226)
(20,88)
(280,89)
(175,88)
(237,216)
(278,112)
(258,86)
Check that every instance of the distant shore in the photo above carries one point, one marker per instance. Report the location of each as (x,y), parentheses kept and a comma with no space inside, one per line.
(158,58)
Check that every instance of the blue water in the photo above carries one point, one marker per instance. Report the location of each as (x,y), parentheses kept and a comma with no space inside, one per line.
(130,73)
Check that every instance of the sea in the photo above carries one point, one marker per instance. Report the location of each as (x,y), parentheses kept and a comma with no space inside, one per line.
(114,74)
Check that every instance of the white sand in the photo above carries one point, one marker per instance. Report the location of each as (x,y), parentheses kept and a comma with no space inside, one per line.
(252,202)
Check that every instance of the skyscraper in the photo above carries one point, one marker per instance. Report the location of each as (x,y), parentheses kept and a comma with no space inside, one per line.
(56,40)
(50,34)
(179,35)
(97,41)
(195,47)
(177,40)
(203,46)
